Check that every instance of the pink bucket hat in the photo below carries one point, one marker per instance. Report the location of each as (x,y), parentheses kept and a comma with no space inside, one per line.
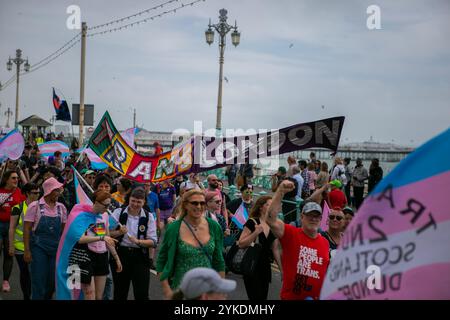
(51,184)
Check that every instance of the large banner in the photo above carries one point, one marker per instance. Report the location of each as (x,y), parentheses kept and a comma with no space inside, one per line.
(398,244)
(202,153)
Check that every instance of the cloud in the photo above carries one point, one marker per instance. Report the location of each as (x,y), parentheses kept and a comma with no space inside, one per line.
(386,82)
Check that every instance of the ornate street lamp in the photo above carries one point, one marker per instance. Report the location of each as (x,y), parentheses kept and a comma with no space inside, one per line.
(222,29)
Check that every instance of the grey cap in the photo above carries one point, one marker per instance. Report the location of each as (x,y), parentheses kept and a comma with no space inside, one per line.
(204,280)
(312,206)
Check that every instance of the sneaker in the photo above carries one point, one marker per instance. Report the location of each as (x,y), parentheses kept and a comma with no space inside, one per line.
(152,265)
(6,287)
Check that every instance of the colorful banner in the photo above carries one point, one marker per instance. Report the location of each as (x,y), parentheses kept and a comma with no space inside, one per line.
(48,149)
(11,146)
(398,244)
(202,153)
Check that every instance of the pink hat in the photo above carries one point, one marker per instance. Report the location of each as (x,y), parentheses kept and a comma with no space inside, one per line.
(51,184)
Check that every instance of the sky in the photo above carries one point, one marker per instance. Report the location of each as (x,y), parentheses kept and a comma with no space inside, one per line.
(298,61)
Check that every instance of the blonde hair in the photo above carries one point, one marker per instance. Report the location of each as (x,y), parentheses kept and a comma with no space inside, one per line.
(185,199)
(338,160)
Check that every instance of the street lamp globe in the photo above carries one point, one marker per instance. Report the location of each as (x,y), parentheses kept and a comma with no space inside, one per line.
(27,66)
(235,37)
(209,34)
(9,65)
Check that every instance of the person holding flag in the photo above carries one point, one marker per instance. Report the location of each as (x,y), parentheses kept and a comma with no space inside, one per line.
(238,212)
(83,249)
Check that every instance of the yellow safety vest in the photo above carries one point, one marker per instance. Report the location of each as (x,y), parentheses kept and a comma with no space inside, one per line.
(18,234)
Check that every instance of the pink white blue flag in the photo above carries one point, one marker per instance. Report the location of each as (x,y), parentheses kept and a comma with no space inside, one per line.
(128,135)
(325,213)
(241,216)
(398,244)
(47,149)
(68,282)
(11,146)
(96,162)
(80,195)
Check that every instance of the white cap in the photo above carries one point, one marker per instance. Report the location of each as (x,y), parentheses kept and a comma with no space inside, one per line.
(204,280)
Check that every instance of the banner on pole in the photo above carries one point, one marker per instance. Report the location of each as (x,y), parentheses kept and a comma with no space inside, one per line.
(202,153)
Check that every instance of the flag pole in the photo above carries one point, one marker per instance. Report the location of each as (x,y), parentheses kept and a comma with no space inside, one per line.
(82,179)
(71,124)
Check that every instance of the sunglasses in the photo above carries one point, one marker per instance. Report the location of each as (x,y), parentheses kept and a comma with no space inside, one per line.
(333,217)
(34,192)
(196,203)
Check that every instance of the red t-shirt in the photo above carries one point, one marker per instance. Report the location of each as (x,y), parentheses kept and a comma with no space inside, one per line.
(305,262)
(7,201)
(336,198)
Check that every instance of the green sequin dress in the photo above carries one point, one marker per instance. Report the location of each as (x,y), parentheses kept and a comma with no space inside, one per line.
(190,257)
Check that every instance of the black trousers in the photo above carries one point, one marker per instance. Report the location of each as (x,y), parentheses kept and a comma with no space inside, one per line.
(136,270)
(359,196)
(257,288)
(25,278)
(348,194)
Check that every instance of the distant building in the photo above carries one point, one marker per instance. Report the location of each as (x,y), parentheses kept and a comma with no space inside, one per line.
(145,140)
(368,150)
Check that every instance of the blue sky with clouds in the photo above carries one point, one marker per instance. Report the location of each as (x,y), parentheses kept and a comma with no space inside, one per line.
(294,57)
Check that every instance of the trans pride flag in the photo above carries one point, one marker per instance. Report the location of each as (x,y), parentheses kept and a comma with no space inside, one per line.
(128,135)
(11,146)
(241,216)
(96,162)
(47,149)
(403,228)
(325,214)
(81,196)
(68,286)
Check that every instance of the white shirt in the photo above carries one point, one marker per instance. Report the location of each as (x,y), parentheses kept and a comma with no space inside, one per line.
(300,182)
(189,185)
(132,226)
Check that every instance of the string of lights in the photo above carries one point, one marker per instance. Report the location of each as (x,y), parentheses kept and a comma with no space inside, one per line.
(8,82)
(132,16)
(52,59)
(77,38)
(182,6)
(54,53)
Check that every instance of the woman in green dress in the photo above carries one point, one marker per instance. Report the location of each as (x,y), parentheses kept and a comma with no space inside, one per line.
(192,241)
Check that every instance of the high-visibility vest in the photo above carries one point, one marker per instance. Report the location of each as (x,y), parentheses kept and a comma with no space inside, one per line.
(18,234)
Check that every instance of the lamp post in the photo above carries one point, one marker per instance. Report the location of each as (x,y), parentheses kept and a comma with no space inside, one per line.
(222,29)
(18,61)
